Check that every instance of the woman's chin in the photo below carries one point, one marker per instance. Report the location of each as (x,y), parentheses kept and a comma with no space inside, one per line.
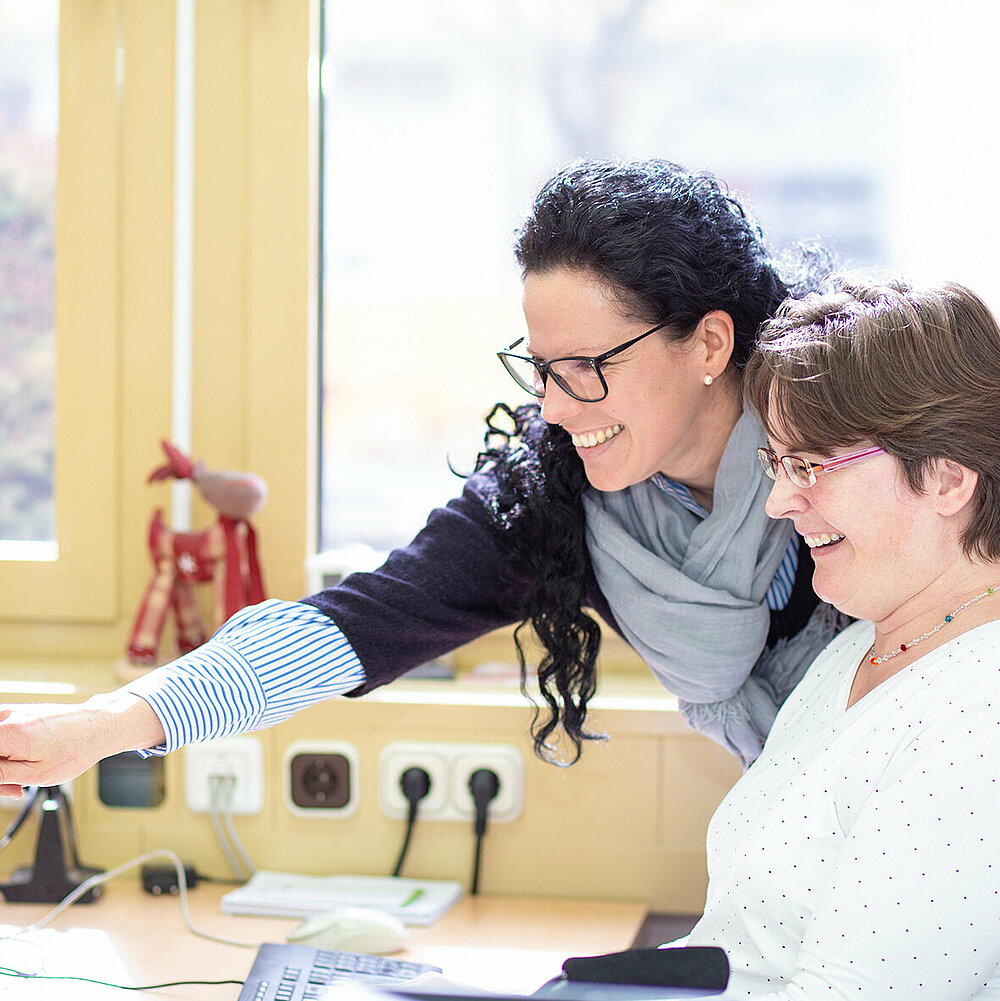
(606,481)
(606,475)
(842,598)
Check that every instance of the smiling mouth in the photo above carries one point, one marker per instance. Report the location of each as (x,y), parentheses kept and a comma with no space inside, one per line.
(596,437)
(819,541)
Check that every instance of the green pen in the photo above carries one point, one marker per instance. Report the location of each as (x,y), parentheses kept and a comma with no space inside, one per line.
(413,897)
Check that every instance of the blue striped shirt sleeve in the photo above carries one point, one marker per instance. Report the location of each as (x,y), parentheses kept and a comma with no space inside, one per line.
(263,665)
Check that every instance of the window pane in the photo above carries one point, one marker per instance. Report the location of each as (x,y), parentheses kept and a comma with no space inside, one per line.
(28,123)
(442,118)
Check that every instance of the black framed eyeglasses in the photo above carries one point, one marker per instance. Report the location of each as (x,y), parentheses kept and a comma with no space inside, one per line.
(576,375)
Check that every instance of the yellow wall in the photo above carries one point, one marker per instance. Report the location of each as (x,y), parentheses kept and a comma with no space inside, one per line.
(627,821)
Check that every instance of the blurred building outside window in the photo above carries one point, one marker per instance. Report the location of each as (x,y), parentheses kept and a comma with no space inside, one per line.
(866,125)
(441,121)
(28,133)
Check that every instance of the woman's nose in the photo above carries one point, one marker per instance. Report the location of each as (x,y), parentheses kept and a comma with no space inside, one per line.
(785,497)
(557,404)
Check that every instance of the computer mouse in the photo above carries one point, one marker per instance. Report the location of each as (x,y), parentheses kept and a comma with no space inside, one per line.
(352,929)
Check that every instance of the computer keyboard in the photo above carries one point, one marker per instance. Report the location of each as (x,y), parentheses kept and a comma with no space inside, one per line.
(286,972)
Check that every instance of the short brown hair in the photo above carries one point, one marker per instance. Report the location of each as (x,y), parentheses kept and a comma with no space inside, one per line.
(917,371)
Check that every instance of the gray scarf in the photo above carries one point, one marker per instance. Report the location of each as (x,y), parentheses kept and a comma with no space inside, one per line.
(689,594)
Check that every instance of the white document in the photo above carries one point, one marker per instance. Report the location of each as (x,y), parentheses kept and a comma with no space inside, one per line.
(292,895)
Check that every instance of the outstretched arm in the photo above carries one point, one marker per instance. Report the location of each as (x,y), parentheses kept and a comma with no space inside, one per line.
(454,582)
(267,662)
(270,660)
(49,743)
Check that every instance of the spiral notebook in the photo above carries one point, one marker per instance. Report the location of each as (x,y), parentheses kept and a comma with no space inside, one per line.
(293,895)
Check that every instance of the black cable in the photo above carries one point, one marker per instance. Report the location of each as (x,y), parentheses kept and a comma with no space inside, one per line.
(30,795)
(416,784)
(484,784)
(221,880)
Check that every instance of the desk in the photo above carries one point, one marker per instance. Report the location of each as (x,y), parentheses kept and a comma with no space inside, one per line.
(130,937)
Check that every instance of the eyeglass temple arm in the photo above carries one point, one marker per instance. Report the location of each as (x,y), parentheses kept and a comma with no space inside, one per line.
(843,460)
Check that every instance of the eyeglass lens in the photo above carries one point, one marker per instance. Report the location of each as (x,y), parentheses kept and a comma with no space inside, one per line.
(769,462)
(798,470)
(578,377)
(525,374)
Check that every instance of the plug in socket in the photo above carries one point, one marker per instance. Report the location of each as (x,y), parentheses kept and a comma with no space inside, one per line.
(394,760)
(450,767)
(321,778)
(508,765)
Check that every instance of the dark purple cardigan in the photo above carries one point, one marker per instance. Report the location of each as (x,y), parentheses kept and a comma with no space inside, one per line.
(455,582)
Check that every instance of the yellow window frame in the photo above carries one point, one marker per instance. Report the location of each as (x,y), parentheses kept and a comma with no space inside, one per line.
(80,583)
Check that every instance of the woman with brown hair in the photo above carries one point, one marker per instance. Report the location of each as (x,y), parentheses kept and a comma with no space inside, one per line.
(858,856)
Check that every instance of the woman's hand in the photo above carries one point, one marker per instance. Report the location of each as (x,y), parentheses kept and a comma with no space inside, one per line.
(48,743)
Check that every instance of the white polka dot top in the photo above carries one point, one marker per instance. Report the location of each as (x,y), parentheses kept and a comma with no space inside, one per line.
(859,857)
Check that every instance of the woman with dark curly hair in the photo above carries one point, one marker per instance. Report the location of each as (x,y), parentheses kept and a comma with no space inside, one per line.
(632,489)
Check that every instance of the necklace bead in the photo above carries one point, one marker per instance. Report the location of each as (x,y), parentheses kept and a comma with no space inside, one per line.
(903,647)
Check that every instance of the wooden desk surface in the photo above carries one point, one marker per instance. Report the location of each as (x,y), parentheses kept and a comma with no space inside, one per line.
(129,937)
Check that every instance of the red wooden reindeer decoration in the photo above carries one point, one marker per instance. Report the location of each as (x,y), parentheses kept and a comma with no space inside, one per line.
(225,555)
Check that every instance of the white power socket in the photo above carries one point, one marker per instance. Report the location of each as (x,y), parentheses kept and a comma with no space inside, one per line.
(450,767)
(506,762)
(239,759)
(395,759)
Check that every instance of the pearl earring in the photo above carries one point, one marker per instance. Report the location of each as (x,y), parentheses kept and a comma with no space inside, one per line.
(708,380)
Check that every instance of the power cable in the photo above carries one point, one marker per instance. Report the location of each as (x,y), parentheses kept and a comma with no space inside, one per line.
(103,877)
(30,795)
(484,784)
(416,784)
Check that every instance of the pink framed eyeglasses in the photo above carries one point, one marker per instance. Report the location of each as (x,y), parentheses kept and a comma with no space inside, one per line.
(802,472)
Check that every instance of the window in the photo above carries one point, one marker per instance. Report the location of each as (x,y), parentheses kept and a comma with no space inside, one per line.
(868,126)
(29,52)
(62,347)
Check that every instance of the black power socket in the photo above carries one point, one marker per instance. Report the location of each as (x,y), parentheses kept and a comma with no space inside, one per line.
(320,781)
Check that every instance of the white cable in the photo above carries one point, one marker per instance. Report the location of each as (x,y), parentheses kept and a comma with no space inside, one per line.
(104,877)
(221,795)
(238,846)
(234,838)
(223,805)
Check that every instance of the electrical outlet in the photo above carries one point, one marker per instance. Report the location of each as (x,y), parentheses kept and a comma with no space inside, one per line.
(508,765)
(449,767)
(321,778)
(395,759)
(238,758)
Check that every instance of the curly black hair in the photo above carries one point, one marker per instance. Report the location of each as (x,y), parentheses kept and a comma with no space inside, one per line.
(539,482)
(671,245)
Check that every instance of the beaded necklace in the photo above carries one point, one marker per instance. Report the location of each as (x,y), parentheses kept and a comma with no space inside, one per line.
(903,647)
